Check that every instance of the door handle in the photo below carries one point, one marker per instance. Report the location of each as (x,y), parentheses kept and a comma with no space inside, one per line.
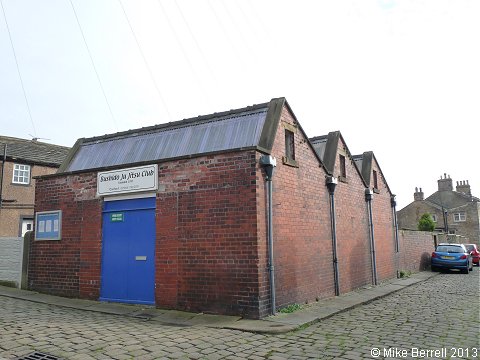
(140,258)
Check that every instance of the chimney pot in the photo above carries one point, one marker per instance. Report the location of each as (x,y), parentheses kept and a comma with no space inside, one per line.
(418,196)
(445,183)
(464,187)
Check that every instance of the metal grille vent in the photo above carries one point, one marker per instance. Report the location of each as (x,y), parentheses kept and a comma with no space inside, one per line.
(38,356)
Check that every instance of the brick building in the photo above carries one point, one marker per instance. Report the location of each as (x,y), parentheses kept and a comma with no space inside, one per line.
(22,160)
(187,215)
(454,211)
(366,254)
(383,214)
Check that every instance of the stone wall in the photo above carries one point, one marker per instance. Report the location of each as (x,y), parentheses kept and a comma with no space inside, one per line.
(416,248)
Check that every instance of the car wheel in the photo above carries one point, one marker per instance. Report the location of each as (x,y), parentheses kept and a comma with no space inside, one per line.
(434,269)
(466,270)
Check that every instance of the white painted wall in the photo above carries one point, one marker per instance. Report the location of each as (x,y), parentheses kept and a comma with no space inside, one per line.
(11,255)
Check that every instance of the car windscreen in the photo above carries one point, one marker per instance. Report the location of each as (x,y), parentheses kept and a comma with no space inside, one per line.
(450,249)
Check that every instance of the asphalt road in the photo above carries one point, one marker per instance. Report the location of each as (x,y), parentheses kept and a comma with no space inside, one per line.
(436,319)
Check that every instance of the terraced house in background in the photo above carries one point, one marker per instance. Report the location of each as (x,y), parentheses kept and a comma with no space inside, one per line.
(455,212)
(22,160)
(237,212)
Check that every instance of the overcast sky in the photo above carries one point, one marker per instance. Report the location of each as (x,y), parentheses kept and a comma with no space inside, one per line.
(398,77)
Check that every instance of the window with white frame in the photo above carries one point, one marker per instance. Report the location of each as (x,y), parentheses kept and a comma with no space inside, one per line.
(21,174)
(434,217)
(460,216)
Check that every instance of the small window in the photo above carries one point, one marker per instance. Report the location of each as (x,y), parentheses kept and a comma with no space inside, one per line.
(460,216)
(27,225)
(375,180)
(289,145)
(434,217)
(343,169)
(21,174)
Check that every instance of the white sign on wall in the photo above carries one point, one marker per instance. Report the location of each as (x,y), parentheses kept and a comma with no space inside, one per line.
(141,178)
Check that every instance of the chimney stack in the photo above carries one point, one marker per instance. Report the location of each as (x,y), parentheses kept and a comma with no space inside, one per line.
(445,184)
(464,187)
(418,195)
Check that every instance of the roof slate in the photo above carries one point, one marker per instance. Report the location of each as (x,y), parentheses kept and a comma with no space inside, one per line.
(33,152)
(319,143)
(450,199)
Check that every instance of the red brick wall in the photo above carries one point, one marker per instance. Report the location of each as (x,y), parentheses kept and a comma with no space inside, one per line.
(206,250)
(301,225)
(354,256)
(416,248)
(383,228)
(207,235)
(211,232)
(71,266)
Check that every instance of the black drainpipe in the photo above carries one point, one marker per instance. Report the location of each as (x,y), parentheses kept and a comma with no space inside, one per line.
(445,220)
(269,162)
(3,170)
(393,202)
(368,199)
(331,183)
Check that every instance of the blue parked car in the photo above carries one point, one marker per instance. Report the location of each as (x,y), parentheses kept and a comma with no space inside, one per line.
(452,256)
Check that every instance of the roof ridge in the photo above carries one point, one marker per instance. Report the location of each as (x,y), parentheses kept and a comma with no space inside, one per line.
(462,195)
(316,138)
(29,141)
(465,195)
(200,119)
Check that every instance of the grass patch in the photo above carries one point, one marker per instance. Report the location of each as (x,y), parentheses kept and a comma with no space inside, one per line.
(404,273)
(290,308)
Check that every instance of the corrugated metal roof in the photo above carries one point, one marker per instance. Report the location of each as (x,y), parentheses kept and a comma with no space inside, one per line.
(219,132)
(34,152)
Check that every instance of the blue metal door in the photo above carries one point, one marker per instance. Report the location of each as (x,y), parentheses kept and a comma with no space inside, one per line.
(128,251)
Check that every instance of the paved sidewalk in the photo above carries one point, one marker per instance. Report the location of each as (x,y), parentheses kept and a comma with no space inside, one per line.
(280,323)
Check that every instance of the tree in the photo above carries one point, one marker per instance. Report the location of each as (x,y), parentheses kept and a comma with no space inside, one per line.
(426,223)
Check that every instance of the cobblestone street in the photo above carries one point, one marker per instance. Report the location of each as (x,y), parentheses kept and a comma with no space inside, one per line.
(441,314)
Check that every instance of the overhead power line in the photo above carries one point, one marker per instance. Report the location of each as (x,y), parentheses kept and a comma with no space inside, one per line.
(195,40)
(226,34)
(184,52)
(18,69)
(93,65)
(145,62)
